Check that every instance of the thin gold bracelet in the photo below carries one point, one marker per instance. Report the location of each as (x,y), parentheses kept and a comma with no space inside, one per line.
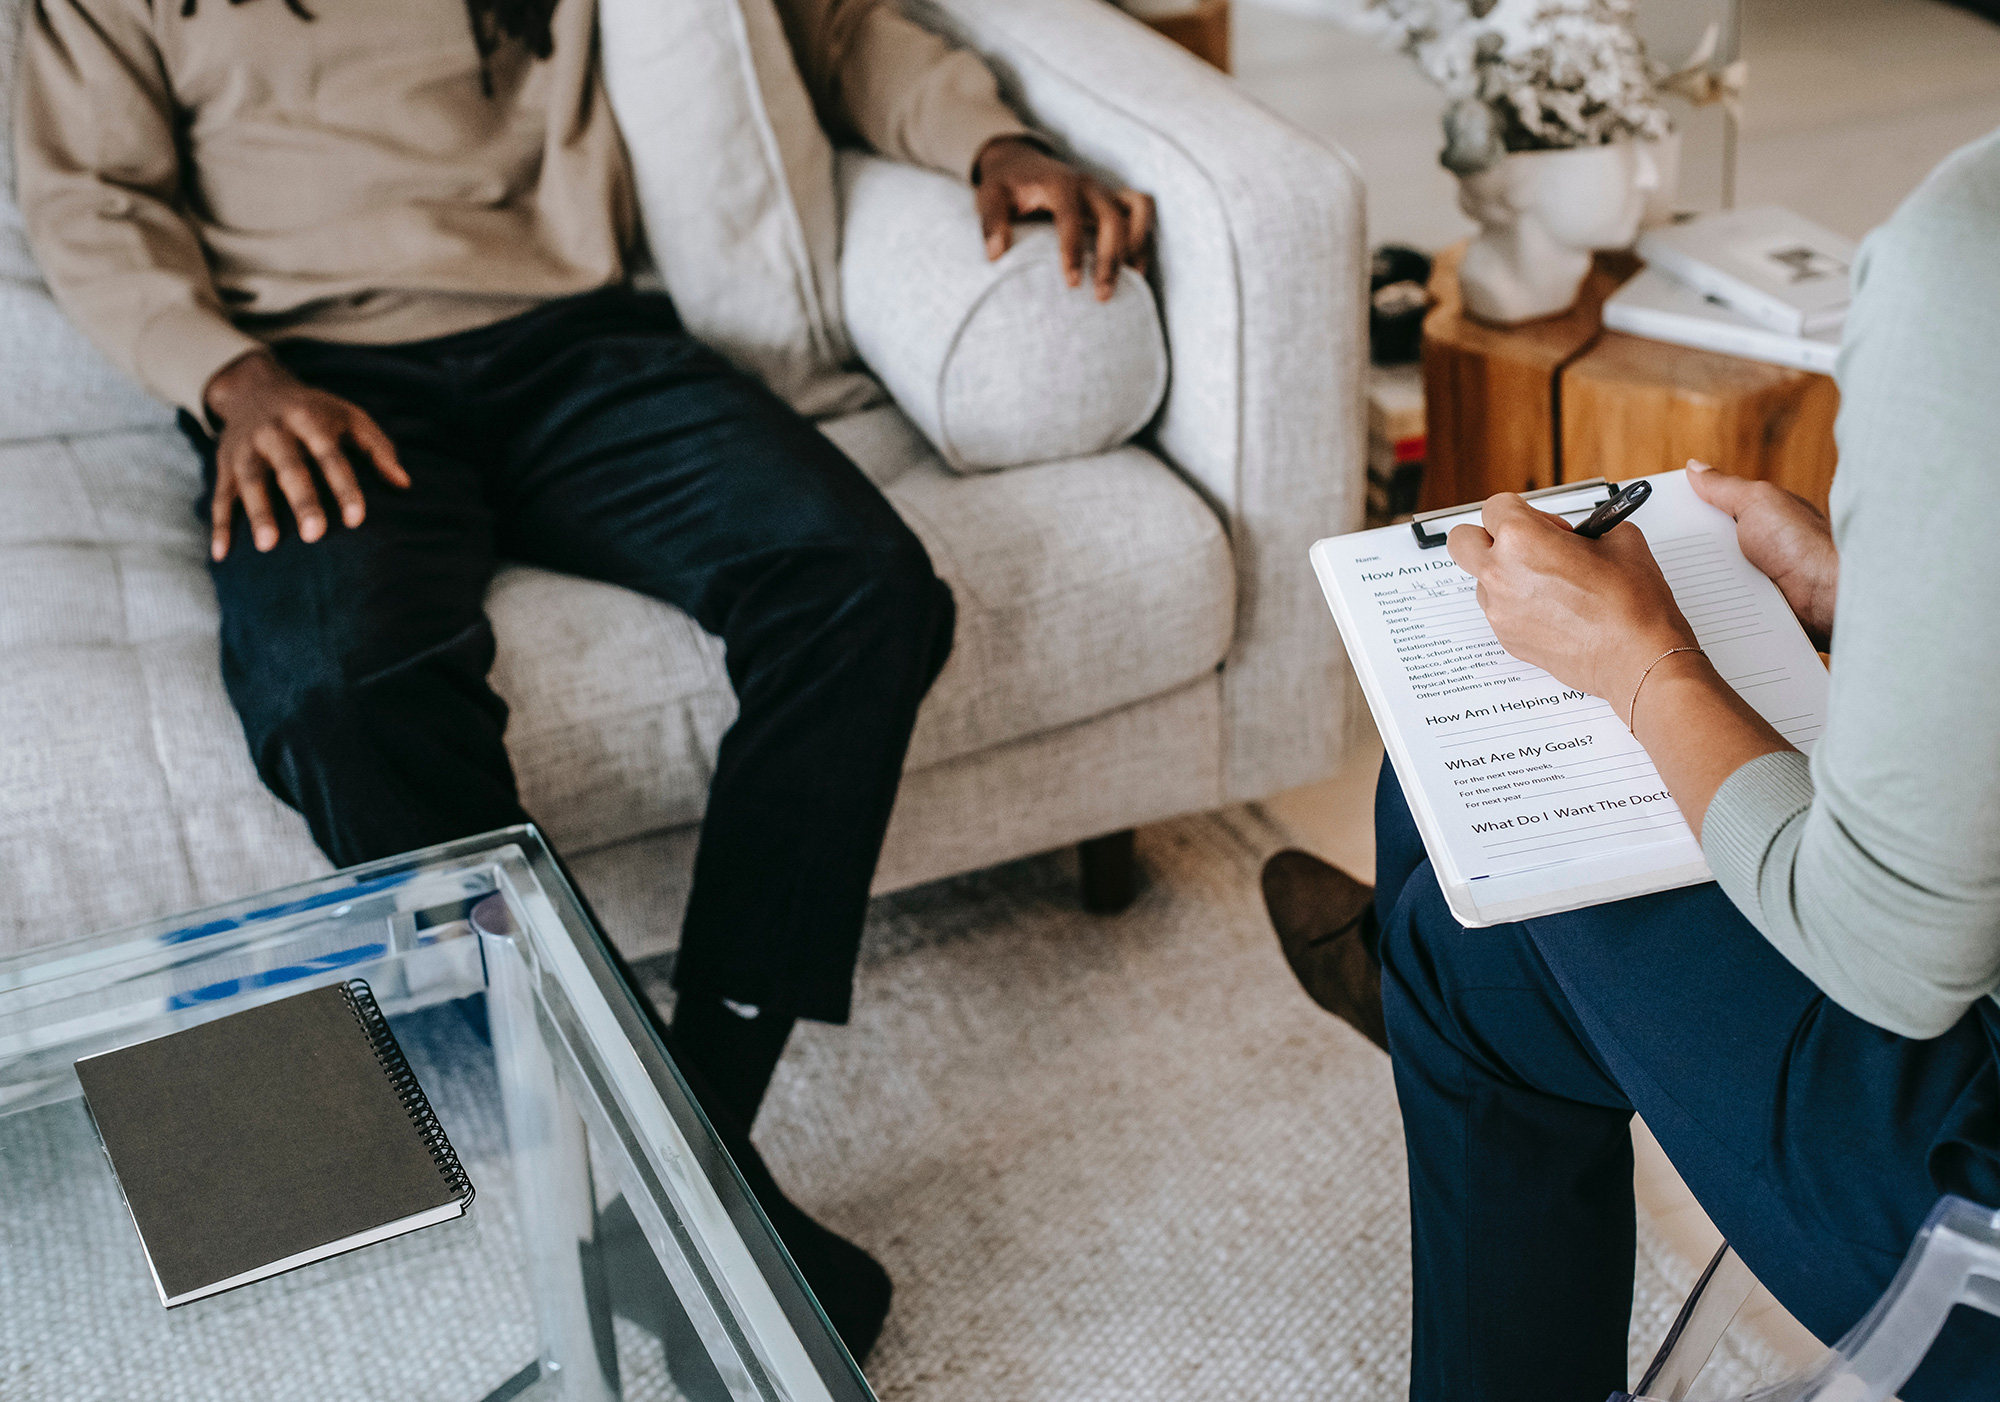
(1632,711)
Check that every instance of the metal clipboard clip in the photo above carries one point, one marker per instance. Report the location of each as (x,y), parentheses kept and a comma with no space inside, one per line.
(1431,540)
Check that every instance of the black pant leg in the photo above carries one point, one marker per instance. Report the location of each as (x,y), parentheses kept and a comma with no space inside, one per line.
(634,454)
(1522,1230)
(1399,847)
(358,663)
(1816,1142)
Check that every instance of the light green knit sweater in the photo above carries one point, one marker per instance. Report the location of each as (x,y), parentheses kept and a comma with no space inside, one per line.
(1875,868)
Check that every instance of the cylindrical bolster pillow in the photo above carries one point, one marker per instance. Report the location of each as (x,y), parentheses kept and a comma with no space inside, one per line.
(998,363)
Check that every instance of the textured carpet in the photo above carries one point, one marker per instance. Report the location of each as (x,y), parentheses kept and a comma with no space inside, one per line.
(1104,1159)
(1119,1158)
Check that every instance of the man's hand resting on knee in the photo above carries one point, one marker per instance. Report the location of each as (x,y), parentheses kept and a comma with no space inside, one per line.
(1017,178)
(274,426)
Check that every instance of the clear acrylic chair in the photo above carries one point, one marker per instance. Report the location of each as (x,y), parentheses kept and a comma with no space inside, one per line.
(1954,1261)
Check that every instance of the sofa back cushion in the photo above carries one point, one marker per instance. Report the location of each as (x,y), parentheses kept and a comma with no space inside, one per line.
(52,379)
(735,184)
(1000,363)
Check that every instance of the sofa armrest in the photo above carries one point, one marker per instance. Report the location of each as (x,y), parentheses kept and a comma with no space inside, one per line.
(1262,283)
(999,363)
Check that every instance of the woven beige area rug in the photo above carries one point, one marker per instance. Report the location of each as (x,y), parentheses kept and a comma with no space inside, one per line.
(1118,1158)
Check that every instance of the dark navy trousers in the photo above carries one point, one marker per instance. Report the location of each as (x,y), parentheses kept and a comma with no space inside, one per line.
(594,436)
(1816,1141)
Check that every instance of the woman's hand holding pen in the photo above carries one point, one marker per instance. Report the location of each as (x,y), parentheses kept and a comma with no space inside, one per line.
(1598,615)
(1594,614)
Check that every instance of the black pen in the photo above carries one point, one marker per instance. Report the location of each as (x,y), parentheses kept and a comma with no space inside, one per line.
(1622,504)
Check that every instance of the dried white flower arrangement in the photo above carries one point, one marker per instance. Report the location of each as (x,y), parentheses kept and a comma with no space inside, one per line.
(1528,75)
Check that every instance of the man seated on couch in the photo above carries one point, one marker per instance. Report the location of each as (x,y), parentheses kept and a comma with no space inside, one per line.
(376,250)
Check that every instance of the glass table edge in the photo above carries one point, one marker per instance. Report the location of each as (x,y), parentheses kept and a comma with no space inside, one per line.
(303,899)
(646,1033)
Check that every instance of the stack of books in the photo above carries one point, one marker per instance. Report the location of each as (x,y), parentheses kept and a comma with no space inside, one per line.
(1396,442)
(1762,283)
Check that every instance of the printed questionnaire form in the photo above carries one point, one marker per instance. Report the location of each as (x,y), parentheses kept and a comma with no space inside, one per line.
(1533,797)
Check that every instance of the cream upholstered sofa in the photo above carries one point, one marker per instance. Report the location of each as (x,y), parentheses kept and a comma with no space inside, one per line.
(1138,632)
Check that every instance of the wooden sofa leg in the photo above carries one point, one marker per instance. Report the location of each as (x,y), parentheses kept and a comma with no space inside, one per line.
(1110,872)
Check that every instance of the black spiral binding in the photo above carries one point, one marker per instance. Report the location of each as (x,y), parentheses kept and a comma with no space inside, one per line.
(361,1002)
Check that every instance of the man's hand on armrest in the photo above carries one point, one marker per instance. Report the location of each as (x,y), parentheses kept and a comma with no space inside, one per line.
(273,426)
(1785,537)
(1017,178)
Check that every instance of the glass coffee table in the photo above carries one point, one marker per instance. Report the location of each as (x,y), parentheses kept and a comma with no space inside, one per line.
(612,1250)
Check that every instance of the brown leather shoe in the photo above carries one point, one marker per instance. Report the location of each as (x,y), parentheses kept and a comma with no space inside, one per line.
(1324,918)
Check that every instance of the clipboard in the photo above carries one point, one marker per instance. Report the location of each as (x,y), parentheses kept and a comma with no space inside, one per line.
(1453,515)
(1533,798)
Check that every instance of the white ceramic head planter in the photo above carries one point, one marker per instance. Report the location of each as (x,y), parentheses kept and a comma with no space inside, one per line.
(1541,213)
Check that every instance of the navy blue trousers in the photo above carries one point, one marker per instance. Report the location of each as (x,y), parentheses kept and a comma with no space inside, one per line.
(594,436)
(1817,1142)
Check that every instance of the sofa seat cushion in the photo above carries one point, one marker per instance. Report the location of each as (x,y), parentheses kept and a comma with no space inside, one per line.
(126,790)
(1081,586)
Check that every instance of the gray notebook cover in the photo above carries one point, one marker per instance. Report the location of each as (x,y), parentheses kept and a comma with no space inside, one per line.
(270,1138)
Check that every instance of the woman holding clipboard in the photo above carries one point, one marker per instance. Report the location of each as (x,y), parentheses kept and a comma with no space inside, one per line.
(1813,1037)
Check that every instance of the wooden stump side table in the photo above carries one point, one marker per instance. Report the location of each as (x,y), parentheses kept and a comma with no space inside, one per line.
(1203,30)
(1562,399)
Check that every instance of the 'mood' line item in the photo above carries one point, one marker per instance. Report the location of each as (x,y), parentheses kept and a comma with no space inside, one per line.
(269,1139)
(1533,797)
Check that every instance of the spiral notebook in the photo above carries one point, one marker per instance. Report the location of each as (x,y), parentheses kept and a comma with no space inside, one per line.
(270,1139)
(1533,797)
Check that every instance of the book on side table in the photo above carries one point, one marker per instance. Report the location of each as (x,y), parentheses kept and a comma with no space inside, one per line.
(1660,308)
(1532,797)
(269,1139)
(1767,263)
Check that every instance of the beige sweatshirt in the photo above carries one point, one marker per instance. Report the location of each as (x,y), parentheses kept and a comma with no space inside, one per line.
(195,185)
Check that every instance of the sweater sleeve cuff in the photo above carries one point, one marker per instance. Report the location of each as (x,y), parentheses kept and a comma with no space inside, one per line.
(1020,133)
(966,137)
(1749,811)
(181,349)
(955,113)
